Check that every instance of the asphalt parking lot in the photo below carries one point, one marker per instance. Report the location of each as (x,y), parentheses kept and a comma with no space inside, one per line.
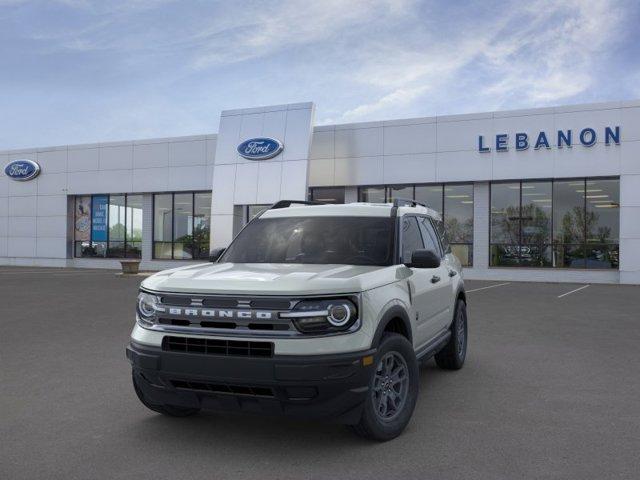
(551,389)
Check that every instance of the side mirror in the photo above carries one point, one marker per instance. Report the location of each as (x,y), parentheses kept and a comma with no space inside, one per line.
(215,254)
(424,259)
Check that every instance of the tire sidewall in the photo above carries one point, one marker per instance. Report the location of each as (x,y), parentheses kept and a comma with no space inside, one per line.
(390,429)
(461,315)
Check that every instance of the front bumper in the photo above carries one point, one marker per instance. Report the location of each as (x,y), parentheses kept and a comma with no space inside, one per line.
(318,386)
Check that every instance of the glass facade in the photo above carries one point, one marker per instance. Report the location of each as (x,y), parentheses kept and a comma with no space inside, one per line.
(327,194)
(561,223)
(108,226)
(453,201)
(181,225)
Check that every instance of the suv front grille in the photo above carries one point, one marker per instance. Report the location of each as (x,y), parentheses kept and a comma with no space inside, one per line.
(254,391)
(207,346)
(226,315)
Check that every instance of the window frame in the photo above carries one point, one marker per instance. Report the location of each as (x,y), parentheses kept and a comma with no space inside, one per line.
(313,190)
(552,245)
(173,216)
(124,241)
(401,236)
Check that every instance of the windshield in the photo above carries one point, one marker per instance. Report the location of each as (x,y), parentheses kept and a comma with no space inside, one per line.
(323,240)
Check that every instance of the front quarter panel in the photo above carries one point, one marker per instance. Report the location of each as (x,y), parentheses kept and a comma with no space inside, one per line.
(381,300)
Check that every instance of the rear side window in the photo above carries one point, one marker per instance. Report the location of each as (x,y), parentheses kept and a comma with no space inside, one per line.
(411,238)
(429,236)
(442,235)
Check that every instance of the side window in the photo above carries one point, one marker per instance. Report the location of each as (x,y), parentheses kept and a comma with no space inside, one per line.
(411,238)
(429,236)
(442,234)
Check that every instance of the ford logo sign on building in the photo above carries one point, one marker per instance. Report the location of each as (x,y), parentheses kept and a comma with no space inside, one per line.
(260,148)
(22,170)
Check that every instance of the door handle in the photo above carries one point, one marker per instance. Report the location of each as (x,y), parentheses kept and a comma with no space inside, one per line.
(435,279)
(452,273)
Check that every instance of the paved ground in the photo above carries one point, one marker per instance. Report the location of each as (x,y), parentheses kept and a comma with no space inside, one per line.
(551,389)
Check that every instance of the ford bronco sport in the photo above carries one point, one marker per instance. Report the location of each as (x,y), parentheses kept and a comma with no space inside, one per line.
(315,311)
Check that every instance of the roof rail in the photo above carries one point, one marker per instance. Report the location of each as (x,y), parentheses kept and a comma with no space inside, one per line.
(403,202)
(288,203)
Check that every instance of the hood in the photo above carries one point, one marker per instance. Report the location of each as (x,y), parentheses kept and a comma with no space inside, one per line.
(271,279)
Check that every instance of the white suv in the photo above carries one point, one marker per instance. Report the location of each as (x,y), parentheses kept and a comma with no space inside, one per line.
(315,311)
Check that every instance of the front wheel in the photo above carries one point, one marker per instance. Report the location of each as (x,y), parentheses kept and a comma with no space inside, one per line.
(393,390)
(452,356)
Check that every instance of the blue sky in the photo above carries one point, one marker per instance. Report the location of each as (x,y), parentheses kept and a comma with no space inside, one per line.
(76,71)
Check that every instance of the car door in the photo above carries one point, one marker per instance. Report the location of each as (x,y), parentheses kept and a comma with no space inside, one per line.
(444,287)
(422,283)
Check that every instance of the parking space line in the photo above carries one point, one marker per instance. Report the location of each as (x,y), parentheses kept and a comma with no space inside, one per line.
(490,286)
(573,291)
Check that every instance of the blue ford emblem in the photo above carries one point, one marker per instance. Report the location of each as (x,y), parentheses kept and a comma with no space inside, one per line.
(260,148)
(22,170)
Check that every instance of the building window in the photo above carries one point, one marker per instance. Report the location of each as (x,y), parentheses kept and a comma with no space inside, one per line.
(457,214)
(372,194)
(108,226)
(562,224)
(181,225)
(453,201)
(327,194)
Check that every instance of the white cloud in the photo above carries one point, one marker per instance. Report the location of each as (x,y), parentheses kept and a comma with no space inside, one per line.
(247,33)
(551,57)
(543,52)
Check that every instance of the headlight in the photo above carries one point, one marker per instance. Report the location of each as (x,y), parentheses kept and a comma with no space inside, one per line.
(146,308)
(323,316)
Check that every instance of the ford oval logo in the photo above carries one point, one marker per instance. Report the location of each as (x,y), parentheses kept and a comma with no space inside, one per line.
(22,170)
(260,148)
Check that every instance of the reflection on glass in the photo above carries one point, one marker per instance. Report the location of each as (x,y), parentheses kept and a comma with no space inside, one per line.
(371,194)
(183,226)
(404,192)
(162,221)
(123,233)
(568,212)
(134,226)
(603,211)
(201,224)
(569,256)
(562,224)
(253,210)
(536,224)
(505,213)
(117,219)
(431,196)
(328,194)
(458,213)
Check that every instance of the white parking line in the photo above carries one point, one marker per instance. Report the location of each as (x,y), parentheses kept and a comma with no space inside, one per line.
(573,291)
(490,286)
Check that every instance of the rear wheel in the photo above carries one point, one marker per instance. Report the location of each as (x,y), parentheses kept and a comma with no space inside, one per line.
(452,356)
(170,410)
(393,390)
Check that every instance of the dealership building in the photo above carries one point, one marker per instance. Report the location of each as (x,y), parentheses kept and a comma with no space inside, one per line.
(549,194)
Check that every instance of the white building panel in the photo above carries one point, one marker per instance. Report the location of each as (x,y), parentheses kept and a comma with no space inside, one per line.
(83,159)
(187,153)
(151,155)
(54,161)
(406,139)
(22,227)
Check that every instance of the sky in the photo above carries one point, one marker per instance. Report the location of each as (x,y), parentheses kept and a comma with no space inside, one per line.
(80,71)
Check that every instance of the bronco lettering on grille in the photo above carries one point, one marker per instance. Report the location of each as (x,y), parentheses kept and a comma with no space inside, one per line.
(216,313)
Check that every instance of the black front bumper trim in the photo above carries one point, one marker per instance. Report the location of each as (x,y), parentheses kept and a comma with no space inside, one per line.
(306,386)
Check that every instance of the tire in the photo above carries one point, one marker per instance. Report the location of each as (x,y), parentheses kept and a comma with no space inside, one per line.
(452,356)
(169,410)
(380,421)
